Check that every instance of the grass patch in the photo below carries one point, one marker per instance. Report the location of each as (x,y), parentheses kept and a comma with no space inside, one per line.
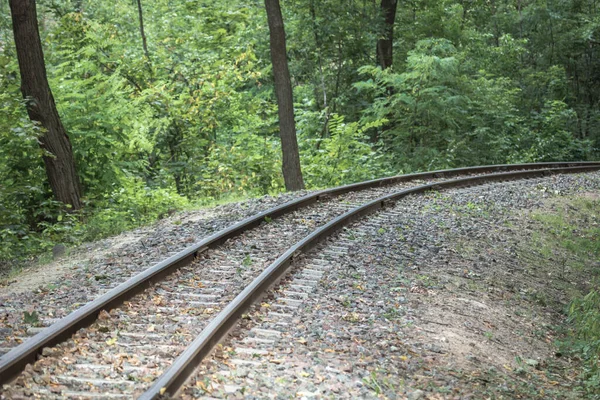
(570,236)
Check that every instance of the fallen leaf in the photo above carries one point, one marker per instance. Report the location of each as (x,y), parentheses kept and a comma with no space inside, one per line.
(158,300)
(103,316)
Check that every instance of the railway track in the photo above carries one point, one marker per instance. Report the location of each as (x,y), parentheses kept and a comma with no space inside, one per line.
(165,320)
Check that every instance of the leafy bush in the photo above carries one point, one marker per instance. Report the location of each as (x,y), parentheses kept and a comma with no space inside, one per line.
(549,138)
(251,165)
(343,157)
(130,206)
(445,111)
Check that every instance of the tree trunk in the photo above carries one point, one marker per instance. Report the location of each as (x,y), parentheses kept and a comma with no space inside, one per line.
(292,174)
(385,45)
(143,34)
(60,166)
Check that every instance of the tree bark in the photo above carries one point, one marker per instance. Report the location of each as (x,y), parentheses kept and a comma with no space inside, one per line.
(292,173)
(385,45)
(143,34)
(58,160)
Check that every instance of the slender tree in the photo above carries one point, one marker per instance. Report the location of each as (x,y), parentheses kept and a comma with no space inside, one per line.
(292,173)
(58,157)
(143,34)
(385,56)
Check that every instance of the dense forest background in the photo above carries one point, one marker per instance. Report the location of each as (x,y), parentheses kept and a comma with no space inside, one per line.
(184,110)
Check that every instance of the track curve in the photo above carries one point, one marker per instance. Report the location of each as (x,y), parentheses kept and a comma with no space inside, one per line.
(18,358)
(181,369)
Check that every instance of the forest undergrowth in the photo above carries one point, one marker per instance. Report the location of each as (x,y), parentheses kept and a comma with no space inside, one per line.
(569,236)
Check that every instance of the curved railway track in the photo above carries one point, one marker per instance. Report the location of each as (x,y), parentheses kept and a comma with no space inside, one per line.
(165,320)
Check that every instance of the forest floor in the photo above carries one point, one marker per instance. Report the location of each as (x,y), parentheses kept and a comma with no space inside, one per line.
(461,297)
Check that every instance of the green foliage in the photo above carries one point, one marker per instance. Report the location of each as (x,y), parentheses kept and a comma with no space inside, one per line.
(130,206)
(549,137)
(195,119)
(31,318)
(444,115)
(23,193)
(249,166)
(584,316)
(572,234)
(343,157)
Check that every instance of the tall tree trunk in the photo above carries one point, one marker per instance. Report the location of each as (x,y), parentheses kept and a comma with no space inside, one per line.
(292,174)
(143,34)
(325,130)
(60,166)
(385,45)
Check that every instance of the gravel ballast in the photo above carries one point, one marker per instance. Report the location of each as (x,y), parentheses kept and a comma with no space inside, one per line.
(125,350)
(433,298)
(50,292)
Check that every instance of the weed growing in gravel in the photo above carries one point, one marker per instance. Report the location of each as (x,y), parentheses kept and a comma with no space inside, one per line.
(351,317)
(30,318)
(346,302)
(247,261)
(372,383)
(540,298)
(378,384)
(392,314)
(472,209)
(426,280)
(402,280)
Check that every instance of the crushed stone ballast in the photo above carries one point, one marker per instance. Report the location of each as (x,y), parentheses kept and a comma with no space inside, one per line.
(204,284)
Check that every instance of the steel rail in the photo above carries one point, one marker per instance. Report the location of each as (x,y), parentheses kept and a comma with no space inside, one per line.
(13,362)
(183,367)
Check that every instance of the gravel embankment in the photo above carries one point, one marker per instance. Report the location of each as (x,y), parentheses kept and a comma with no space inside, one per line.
(53,291)
(123,352)
(434,298)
